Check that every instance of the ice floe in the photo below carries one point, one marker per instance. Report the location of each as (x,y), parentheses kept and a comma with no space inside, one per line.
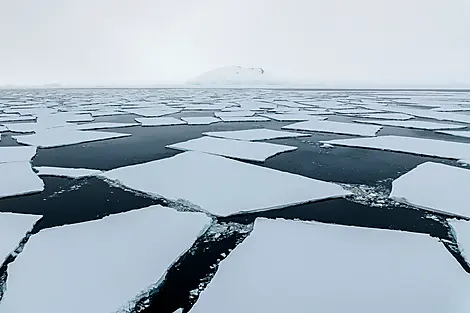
(244,119)
(356,111)
(200,120)
(255,134)
(13,227)
(413,124)
(289,266)
(254,151)
(153,112)
(98,266)
(18,178)
(388,116)
(293,117)
(66,172)
(419,146)
(462,232)
(64,137)
(159,121)
(104,125)
(4,119)
(335,127)
(234,113)
(436,187)
(16,154)
(106,113)
(222,186)
(462,133)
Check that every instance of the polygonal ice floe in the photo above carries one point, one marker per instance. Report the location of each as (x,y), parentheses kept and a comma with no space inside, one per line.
(254,151)
(289,266)
(13,227)
(293,117)
(244,119)
(255,134)
(388,116)
(99,266)
(17,178)
(459,133)
(66,172)
(436,187)
(107,113)
(419,146)
(104,125)
(159,121)
(412,124)
(16,154)
(57,137)
(356,111)
(153,112)
(461,230)
(3,129)
(222,186)
(4,119)
(234,113)
(335,127)
(200,120)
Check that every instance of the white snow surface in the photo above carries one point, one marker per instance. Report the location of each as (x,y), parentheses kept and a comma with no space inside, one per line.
(255,134)
(254,151)
(244,119)
(66,172)
(64,137)
(419,146)
(18,178)
(98,266)
(159,121)
(200,120)
(222,186)
(434,186)
(104,125)
(16,154)
(335,127)
(289,266)
(461,133)
(462,232)
(388,116)
(413,124)
(13,227)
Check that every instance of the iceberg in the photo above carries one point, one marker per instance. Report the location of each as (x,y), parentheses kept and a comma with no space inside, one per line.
(254,134)
(222,186)
(13,227)
(436,187)
(18,178)
(253,151)
(159,121)
(200,120)
(335,127)
(290,266)
(413,124)
(66,172)
(99,266)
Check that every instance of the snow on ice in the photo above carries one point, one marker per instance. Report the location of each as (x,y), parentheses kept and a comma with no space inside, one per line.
(413,124)
(13,227)
(335,127)
(200,120)
(159,121)
(255,134)
(66,172)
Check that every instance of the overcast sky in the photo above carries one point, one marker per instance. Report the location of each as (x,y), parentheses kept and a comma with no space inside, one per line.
(357,42)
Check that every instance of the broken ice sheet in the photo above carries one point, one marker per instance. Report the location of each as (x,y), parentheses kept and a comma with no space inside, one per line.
(255,134)
(290,266)
(13,227)
(104,125)
(254,151)
(461,231)
(293,117)
(64,137)
(459,133)
(244,119)
(436,187)
(153,112)
(413,124)
(335,127)
(234,113)
(419,146)
(16,154)
(200,120)
(388,116)
(66,172)
(98,266)
(222,186)
(159,121)
(18,178)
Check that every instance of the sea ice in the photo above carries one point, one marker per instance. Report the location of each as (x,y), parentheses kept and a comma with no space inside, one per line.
(200,120)
(419,146)
(293,117)
(462,232)
(4,119)
(435,186)
(60,137)
(17,178)
(104,125)
(153,112)
(413,124)
(335,127)
(159,121)
(66,172)
(388,116)
(234,113)
(462,133)
(222,186)
(356,111)
(254,151)
(244,119)
(291,266)
(16,154)
(255,134)
(99,266)
(106,113)
(3,129)
(13,227)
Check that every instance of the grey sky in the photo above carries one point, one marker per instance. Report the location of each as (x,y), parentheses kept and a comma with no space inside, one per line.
(360,42)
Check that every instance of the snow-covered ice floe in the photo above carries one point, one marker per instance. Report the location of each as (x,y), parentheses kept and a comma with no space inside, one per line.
(200,120)
(66,172)
(159,121)
(244,119)
(388,116)
(99,266)
(335,127)
(13,227)
(254,151)
(18,178)
(16,154)
(222,186)
(255,134)
(356,111)
(461,231)
(293,117)
(458,133)
(234,113)
(419,146)
(435,186)
(64,137)
(3,129)
(289,266)
(153,112)
(4,119)
(413,124)
(104,125)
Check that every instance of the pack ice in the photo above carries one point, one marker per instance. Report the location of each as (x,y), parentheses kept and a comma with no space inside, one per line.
(419,146)
(436,187)
(335,127)
(254,134)
(289,266)
(13,227)
(98,266)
